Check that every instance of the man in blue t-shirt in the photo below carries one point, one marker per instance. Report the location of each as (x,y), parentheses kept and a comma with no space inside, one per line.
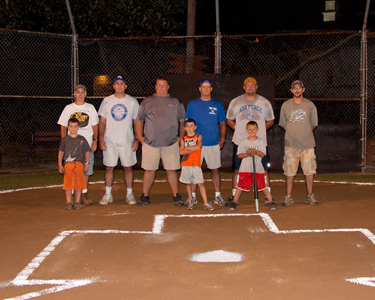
(210,117)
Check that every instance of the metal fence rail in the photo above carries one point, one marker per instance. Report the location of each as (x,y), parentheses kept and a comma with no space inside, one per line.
(36,77)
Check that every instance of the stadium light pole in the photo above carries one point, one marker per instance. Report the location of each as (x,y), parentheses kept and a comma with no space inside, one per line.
(75,68)
(364,96)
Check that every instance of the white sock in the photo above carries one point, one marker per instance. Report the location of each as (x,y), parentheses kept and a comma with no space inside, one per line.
(84,191)
(129,191)
(108,190)
(234,192)
(193,194)
(217,194)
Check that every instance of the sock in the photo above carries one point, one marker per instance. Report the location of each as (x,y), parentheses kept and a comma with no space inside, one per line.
(129,191)
(217,194)
(84,191)
(108,190)
(234,192)
(193,194)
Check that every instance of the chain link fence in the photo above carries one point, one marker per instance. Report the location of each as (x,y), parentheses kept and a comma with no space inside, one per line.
(36,78)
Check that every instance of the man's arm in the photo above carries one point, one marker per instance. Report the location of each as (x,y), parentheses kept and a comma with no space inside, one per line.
(231,123)
(63,131)
(135,143)
(269,124)
(223,132)
(138,126)
(102,125)
(95,131)
(181,130)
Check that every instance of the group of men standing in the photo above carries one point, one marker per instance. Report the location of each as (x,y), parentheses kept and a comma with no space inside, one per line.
(158,124)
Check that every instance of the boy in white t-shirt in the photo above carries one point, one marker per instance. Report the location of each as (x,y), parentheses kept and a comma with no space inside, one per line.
(251,147)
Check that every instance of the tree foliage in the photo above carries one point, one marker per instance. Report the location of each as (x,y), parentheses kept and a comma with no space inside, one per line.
(97,18)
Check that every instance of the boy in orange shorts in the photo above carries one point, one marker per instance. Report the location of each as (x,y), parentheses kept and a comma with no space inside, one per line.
(75,152)
(252,146)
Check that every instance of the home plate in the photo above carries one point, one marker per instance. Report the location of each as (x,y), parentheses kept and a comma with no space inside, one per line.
(220,256)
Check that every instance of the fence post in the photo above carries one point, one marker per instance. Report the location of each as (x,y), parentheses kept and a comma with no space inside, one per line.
(217,41)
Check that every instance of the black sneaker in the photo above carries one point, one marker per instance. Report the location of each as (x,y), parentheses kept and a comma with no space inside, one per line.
(230,200)
(272,205)
(177,200)
(144,200)
(232,205)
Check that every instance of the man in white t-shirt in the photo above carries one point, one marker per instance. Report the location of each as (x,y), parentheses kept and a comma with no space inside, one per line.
(88,127)
(116,137)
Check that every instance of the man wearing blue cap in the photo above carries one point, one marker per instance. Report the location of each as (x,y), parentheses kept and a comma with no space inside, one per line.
(116,137)
(210,117)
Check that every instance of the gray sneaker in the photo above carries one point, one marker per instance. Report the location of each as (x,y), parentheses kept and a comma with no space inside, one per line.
(311,200)
(130,199)
(208,207)
(106,199)
(288,200)
(190,204)
(219,200)
(195,201)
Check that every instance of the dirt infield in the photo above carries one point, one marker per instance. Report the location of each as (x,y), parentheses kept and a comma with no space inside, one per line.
(129,252)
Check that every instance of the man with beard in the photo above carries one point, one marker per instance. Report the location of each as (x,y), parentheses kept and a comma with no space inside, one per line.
(299,118)
(249,107)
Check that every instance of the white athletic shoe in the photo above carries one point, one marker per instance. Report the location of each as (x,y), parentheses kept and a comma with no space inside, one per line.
(130,199)
(106,199)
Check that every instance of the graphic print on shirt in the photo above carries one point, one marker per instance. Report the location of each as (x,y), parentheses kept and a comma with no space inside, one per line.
(212,110)
(71,156)
(119,112)
(298,116)
(256,147)
(82,118)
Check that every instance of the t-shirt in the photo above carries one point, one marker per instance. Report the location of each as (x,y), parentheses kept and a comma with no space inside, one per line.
(242,111)
(207,115)
(86,115)
(161,116)
(247,162)
(298,120)
(192,159)
(74,148)
(119,114)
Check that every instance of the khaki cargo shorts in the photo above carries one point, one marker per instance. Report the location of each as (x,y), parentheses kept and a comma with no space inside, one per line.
(293,156)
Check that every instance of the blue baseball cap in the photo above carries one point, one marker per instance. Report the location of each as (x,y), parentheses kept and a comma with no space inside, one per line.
(119,77)
(204,81)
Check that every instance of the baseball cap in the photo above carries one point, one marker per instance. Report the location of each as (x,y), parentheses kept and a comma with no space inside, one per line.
(297,82)
(119,77)
(80,86)
(250,80)
(205,81)
(190,120)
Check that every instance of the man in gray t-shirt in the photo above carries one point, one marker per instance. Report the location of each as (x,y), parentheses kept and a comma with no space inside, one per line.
(299,117)
(159,127)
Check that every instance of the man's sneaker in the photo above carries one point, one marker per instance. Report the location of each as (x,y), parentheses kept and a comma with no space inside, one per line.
(208,207)
(219,200)
(130,199)
(190,204)
(68,205)
(177,200)
(233,205)
(86,200)
(272,205)
(143,200)
(288,200)
(77,205)
(107,198)
(311,200)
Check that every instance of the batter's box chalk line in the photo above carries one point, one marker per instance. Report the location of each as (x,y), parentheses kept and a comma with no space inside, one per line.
(159,220)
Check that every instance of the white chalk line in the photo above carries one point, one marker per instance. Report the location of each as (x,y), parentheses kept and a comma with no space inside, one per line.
(60,285)
(164,180)
(159,220)
(270,224)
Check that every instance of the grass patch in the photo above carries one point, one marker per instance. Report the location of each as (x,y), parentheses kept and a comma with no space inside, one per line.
(17,181)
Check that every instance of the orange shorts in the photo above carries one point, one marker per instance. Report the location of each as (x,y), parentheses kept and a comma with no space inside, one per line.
(74,177)
(245,181)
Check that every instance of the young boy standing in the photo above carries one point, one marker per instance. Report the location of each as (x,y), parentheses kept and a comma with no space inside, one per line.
(75,152)
(191,172)
(252,146)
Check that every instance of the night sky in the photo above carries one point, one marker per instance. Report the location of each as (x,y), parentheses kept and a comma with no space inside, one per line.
(270,16)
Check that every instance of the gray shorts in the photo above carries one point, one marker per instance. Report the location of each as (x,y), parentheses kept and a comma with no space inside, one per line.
(191,175)
(211,154)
